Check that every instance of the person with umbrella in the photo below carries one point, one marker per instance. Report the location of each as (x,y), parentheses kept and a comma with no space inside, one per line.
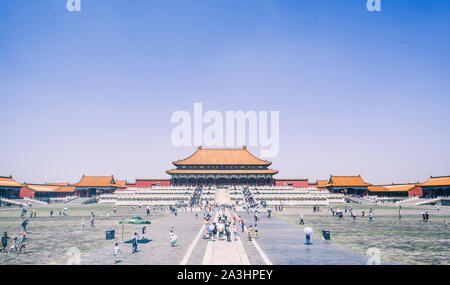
(308,232)
(210,231)
(173,239)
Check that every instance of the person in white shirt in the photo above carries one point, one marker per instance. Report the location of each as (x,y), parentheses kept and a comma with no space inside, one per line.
(116,253)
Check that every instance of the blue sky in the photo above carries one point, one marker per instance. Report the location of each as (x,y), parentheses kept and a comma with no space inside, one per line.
(92,92)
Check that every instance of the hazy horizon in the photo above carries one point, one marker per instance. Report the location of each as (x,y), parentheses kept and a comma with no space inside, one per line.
(92,92)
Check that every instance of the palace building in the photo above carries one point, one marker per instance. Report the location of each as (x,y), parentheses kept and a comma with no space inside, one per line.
(222,166)
(48,190)
(396,190)
(9,187)
(436,186)
(353,185)
(89,186)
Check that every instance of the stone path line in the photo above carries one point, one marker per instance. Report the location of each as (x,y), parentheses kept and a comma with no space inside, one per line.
(258,248)
(193,244)
(221,252)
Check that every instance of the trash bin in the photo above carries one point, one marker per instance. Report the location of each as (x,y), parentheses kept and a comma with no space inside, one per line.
(110,234)
(326,235)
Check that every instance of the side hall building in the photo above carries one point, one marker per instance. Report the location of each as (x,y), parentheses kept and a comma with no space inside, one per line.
(350,185)
(436,186)
(9,188)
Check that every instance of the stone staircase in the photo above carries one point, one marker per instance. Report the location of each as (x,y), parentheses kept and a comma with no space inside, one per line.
(35,201)
(17,202)
(408,202)
(223,196)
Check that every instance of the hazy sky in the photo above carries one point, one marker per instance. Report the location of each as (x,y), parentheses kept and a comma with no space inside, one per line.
(92,92)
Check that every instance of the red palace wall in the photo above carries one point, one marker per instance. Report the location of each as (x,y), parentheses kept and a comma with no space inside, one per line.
(166,182)
(150,182)
(25,192)
(416,192)
(294,182)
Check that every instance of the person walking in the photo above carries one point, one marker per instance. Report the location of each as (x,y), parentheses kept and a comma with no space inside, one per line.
(144,229)
(134,242)
(371,216)
(22,243)
(249,233)
(13,245)
(235,231)
(5,239)
(353,217)
(302,222)
(116,253)
(173,238)
(228,232)
(24,225)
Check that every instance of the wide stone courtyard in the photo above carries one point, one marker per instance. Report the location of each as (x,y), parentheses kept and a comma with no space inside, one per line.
(280,241)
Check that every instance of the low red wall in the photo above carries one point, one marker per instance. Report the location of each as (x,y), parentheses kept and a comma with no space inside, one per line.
(25,192)
(150,182)
(293,182)
(416,192)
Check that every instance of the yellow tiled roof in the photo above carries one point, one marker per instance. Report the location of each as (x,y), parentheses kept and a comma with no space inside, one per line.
(99,181)
(321,183)
(347,181)
(9,181)
(437,181)
(42,187)
(224,171)
(58,183)
(121,183)
(400,187)
(222,156)
(49,188)
(66,189)
(392,188)
(377,189)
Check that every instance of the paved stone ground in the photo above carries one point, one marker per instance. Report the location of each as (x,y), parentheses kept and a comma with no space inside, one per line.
(198,255)
(158,251)
(283,243)
(222,252)
(252,253)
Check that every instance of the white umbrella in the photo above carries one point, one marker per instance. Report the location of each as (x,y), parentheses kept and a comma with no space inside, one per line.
(308,230)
